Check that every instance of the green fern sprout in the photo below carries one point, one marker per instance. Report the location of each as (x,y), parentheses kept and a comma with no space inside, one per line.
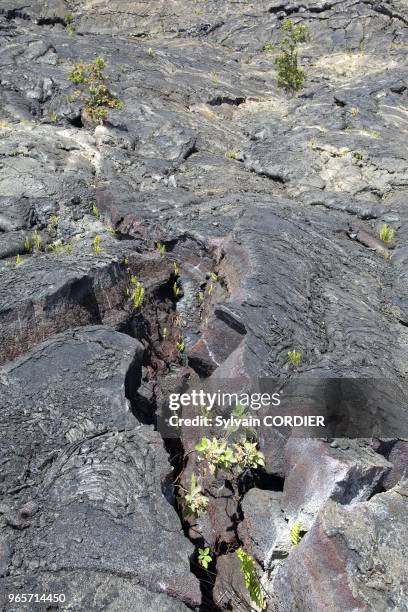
(97,244)
(295,358)
(176,270)
(57,248)
(68,249)
(150,52)
(53,224)
(137,293)
(176,291)
(231,154)
(214,277)
(37,241)
(204,557)
(95,211)
(161,248)
(295,536)
(27,245)
(252,583)
(180,346)
(386,233)
(19,260)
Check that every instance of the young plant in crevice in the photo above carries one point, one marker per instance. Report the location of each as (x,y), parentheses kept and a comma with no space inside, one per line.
(252,582)
(194,502)
(180,346)
(160,248)
(386,233)
(19,260)
(295,358)
(176,290)
(53,224)
(176,270)
(294,535)
(216,454)
(27,245)
(204,557)
(37,241)
(95,211)
(290,75)
(97,245)
(136,293)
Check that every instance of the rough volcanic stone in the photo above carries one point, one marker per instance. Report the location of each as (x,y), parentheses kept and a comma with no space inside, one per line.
(263,530)
(317,472)
(83,511)
(352,559)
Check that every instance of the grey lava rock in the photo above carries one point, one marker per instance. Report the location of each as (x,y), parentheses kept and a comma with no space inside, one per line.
(317,472)
(352,559)
(263,530)
(83,480)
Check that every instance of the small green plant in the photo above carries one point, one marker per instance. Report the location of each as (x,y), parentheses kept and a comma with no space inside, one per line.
(231,154)
(247,456)
(176,291)
(214,277)
(160,248)
(358,156)
(194,502)
(97,244)
(180,346)
(290,76)
(252,583)
(386,233)
(216,453)
(268,48)
(68,249)
(136,293)
(150,52)
(27,245)
(93,90)
(54,118)
(37,241)
(204,557)
(295,358)
(57,248)
(200,297)
(19,260)
(95,210)
(164,333)
(176,270)
(294,535)
(53,224)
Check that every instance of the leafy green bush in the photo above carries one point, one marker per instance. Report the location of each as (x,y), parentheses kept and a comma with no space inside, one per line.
(217,454)
(253,586)
(93,89)
(290,76)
